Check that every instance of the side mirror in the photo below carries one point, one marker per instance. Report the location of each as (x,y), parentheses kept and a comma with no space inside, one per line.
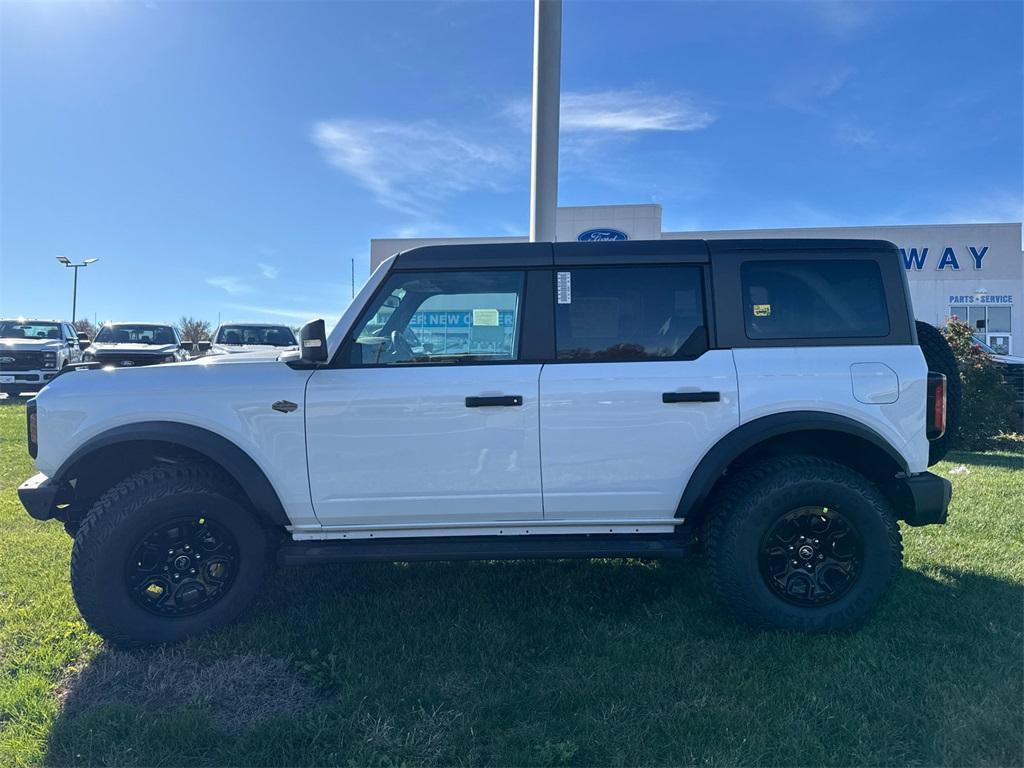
(313,342)
(84,343)
(83,336)
(202,347)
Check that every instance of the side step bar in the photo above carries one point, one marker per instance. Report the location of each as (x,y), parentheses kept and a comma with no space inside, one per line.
(483,548)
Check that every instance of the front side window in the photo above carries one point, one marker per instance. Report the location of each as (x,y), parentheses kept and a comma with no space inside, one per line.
(814,299)
(441,317)
(629,313)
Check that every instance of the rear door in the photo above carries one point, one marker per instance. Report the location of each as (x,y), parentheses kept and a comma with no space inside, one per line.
(635,396)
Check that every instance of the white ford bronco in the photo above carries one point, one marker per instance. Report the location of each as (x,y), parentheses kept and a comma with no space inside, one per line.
(32,352)
(767,402)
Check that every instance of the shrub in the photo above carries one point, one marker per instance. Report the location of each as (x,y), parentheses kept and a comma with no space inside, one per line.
(987,407)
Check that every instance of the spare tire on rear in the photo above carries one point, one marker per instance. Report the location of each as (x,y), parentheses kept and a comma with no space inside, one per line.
(940,359)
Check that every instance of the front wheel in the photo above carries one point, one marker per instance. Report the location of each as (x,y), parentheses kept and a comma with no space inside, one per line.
(167,553)
(801,543)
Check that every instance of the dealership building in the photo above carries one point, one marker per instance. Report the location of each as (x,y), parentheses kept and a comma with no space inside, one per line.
(972,271)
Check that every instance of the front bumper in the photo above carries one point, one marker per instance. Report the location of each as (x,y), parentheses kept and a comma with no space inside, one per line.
(39,497)
(926,499)
(16,381)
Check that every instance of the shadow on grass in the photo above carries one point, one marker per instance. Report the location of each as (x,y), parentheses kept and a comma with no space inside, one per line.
(589,662)
(1004,459)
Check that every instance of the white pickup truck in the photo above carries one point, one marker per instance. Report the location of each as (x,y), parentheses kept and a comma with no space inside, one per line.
(33,352)
(767,401)
(236,338)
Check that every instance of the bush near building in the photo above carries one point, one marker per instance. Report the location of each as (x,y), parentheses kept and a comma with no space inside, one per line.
(987,408)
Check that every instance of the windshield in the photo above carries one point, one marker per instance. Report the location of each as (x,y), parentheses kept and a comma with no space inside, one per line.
(982,345)
(28,329)
(269,335)
(136,334)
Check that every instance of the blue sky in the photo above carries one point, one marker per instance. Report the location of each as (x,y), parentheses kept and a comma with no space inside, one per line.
(233,157)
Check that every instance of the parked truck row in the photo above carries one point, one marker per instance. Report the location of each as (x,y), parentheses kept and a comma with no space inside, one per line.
(34,351)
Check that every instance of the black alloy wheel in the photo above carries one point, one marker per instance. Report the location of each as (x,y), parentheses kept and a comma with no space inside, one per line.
(182,566)
(811,556)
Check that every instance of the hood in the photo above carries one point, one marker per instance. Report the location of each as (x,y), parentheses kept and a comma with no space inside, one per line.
(1008,359)
(31,345)
(241,355)
(132,349)
(235,349)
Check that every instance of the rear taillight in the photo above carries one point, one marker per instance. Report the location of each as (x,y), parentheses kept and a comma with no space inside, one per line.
(32,428)
(936,416)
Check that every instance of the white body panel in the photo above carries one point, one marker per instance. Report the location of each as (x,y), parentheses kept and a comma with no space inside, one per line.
(232,399)
(786,379)
(610,446)
(398,445)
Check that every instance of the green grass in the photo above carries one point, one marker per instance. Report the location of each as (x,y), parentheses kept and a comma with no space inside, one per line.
(535,663)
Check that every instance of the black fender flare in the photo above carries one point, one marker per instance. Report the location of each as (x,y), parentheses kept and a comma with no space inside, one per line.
(218,449)
(746,436)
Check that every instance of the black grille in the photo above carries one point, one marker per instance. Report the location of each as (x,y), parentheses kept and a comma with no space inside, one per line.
(128,361)
(23,361)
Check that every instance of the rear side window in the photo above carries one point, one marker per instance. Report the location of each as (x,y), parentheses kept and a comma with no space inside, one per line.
(629,313)
(808,299)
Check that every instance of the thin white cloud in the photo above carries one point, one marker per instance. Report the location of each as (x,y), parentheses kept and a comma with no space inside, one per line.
(268,271)
(411,167)
(842,19)
(631,112)
(232,285)
(287,313)
(621,111)
(853,133)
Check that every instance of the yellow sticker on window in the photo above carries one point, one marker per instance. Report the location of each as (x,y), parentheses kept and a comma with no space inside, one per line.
(485,317)
(762,310)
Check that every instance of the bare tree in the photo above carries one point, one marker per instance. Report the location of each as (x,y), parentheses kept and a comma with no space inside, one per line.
(193,329)
(84,326)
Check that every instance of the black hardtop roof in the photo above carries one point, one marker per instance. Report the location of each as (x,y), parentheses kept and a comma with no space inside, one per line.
(468,255)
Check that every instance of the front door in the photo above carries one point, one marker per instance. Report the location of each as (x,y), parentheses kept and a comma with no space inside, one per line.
(429,418)
(635,398)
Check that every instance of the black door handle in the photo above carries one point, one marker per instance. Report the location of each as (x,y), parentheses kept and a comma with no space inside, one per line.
(690,397)
(480,402)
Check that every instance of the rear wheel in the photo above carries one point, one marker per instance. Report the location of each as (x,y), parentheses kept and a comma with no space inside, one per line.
(802,543)
(168,552)
(940,358)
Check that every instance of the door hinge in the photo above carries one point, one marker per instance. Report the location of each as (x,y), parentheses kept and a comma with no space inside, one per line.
(284,406)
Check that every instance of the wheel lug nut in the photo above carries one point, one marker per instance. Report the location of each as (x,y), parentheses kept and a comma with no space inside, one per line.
(821,557)
(794,562)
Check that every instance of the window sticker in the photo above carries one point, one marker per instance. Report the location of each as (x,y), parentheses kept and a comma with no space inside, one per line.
(762,310)
(486,317)
(565,287)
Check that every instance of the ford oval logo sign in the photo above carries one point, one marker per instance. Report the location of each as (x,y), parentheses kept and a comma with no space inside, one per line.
(598,235)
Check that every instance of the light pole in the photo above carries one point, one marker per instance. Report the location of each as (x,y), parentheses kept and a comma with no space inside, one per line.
(74,293)
(547,72)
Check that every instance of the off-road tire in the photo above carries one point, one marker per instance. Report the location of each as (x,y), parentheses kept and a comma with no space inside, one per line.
(940,359)
(755,499)
(120,519)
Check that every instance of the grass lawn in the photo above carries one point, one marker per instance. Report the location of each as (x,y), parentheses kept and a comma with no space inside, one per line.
(605,662)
